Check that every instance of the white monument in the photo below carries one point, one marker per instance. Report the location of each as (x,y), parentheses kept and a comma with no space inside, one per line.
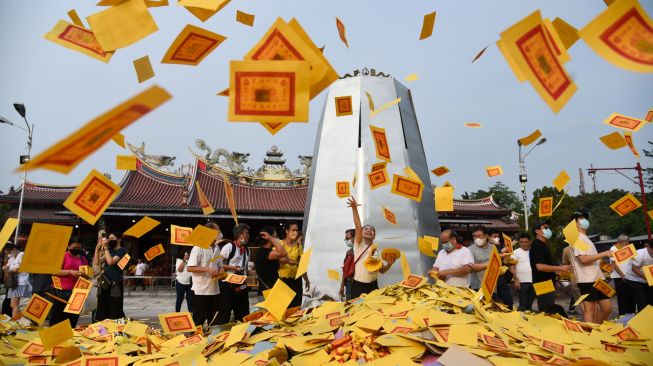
(345,150)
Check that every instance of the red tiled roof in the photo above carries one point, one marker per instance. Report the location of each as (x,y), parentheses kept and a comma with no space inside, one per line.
(39,193)
(248,198)
(484,205)
(140,188)
(44,215)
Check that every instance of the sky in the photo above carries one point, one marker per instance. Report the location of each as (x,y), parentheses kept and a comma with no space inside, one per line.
(63,89)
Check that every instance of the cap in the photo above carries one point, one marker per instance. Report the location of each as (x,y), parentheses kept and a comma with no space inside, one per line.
(580,213)
(538,224)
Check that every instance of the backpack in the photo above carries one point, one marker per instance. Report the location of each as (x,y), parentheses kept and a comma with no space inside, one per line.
(349,267)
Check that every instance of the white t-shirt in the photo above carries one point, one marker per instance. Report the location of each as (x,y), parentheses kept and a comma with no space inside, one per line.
(456,259)
(623,266)
(237,259)
(184,276)
(523,267)
(14,263)
(140,269)
(203,284)
(361,274)
(586,273)
(643,258)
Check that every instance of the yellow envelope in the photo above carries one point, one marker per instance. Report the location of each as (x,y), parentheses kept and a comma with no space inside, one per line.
(440,171)
(380,143)
(613,141)
(444,199)
(491,276)
(135,329)
(92,196)
(154,252)
(616,35)
(192,45)
(205,204)
(177,322)
(236,334)
(544,287)
(494,171)
(244,18)
(572,236)
(626,253)
(7,229)
(342,189)
(45,249)
(67,153)
(342,31)
(119,139)
(561,180)
(304,260)
(143,68)
(626,205)
(628,137)
(648,273)
(427,26)
(269,91)
(409,186)
(463,334)
(333,274)
(126,162)
(425,247)
(122,25)
(78,38)
(178,235)
(525,141)
(202,236)
(143,226)
(411,77)
(37,309)
(604,288)
(389,215)
(555,41)
(568,34)
(624,122)
(385,106)
(231,199)
(76,301)
(405,267)
(279,297)
(213,5)
(56,334)
(72,14)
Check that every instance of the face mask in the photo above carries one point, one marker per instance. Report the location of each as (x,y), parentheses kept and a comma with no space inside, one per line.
(547,233)
(495,240)
(113,243)
(448,246)
(584,224)
(479,242)
(75,251)
(349,243)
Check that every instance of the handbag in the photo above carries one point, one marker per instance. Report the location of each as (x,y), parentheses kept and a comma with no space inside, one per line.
(10,279)
(104,282)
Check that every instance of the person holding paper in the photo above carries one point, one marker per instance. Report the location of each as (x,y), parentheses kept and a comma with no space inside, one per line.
(638,287)
(72,260)
(23,288)
(542,265)
(205,266)
(110,300)
(364,280)
(481,252)
(267,263)
(454,262)
(625,302)
(234,297)
(586,262)
(288,263)
(523,280)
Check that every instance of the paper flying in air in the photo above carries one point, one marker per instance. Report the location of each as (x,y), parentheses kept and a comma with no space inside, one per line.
(244,18)
(205,204)
(626,205)
(525,141)
(143,69)
(78,38)
(122,25)
(92,196)
(624,122)
(304,260)
(568,34)
(427,26)
(202,236)
(192,45)
(561,181)
(545,207)
(613,141)
(341,32)
(143,226)
(443,199)
(45,249)
(126,162)
(494,171)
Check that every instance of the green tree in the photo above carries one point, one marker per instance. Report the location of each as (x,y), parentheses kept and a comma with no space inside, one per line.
(502,195)
(648,172)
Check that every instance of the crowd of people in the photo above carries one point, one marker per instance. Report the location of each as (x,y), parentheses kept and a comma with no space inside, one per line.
(199,273)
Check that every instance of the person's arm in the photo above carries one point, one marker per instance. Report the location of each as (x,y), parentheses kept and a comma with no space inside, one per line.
(586,259)
(111,260)
(98,250)
(193,268)
(358,237)
(226,250)
(615,267)
(549,268)
(638,271)
(460,271)
(181,266)
(479,266)
(68,272)
(278,252)
(387,266)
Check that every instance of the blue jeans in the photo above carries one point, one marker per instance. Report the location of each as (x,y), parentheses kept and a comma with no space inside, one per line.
(526,296)
(184,290)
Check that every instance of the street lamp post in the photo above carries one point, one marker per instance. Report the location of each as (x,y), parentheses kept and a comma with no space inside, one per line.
(523,177)
(20,108)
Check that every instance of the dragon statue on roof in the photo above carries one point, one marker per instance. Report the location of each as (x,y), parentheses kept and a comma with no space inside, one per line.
(159,161)
(234,161)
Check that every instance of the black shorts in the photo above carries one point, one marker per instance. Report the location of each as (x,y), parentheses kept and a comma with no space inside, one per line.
(594,294)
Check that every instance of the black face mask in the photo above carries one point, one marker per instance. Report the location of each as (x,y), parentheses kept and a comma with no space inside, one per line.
(113,243)
(75,251)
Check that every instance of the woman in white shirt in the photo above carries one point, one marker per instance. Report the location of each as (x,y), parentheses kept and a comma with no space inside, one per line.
(23,289)
(183,283)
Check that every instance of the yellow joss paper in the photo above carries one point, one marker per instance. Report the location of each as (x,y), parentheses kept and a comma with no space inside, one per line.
(385,106)
(624,122)
(525,141)
(119,139)
(425,247)
(572,236)
(463,334)
(380,143)
(231,198)
(411,77)
(202,236)
(205,204)
(72,14)
(491,276)
(624,254)
(143,226)
(236,334)
(530,53)
(648,273)
(154,252)
(304,260)
(76,301)
(613,141)
(268,91)
(444,199)
(628,137)
(342,189)
(37,309)
(604,288)
(545,207)
(555,42)
(389,216)
(561,181)
(126,162)
(177,322)
(479,54)
(440,171)
(7,229)
(45,249)
(244,18)
(544,287)
(67,153)
(92,197)
(626,205)
(179,234)
(143,69)
(192,45)
(494,171)
(427,26)
(333,274)
(78,38)
(405,266)
(135,329)
(622,35)
(122,25)
(342,32)
(568,34)
(56,334)
(279,298)
(212,5)
(273,127)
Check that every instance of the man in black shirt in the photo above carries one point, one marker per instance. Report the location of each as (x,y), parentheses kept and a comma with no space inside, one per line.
(267,269)
(542,264)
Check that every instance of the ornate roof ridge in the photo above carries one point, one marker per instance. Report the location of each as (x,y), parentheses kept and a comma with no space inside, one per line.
(33,185)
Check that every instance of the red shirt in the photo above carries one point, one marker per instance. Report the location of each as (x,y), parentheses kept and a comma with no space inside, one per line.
(70,262)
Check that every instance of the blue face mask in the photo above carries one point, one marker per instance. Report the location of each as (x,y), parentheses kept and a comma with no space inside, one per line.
(448,246)
(584,224)
(547,233)
(349,243)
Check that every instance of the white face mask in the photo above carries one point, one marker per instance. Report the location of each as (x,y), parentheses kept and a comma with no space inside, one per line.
(495,240)
(479,242)
(349,243)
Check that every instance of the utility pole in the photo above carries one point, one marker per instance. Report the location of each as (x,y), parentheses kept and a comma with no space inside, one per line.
(592,175)
(581,186)
(638,168)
